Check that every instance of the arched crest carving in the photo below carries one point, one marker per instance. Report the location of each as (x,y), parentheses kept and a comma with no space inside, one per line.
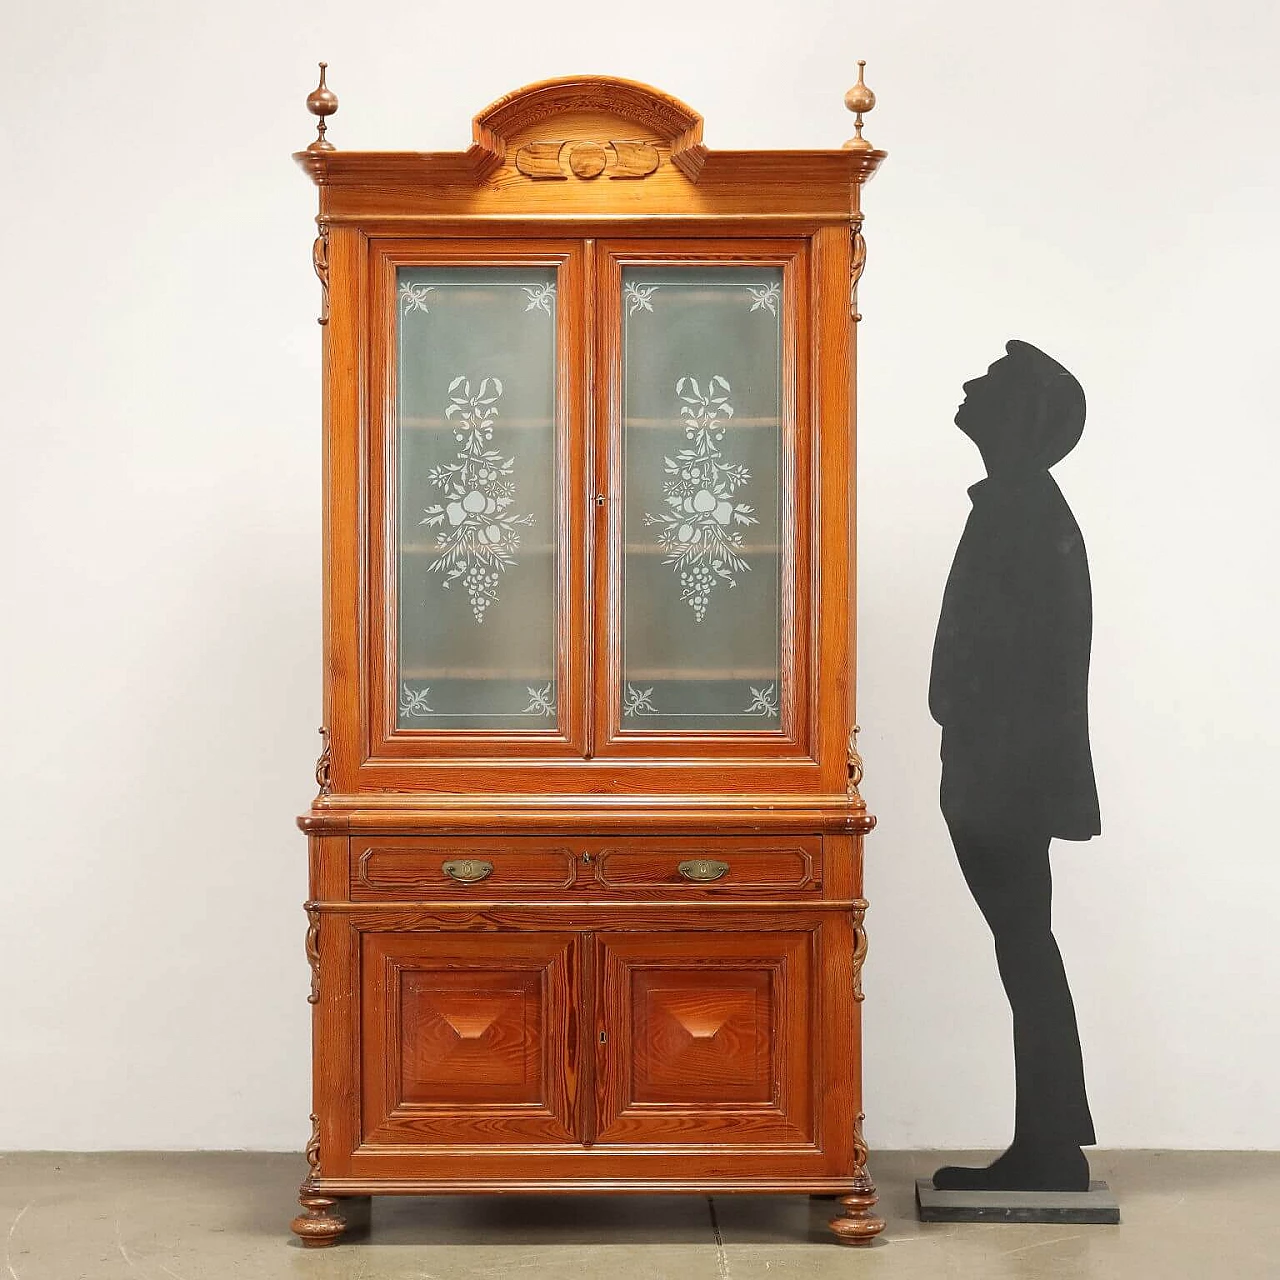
(673,124)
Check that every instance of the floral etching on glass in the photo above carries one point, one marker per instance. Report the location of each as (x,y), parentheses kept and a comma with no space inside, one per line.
(540,296)
(479,534)
(638,702)
(415,703)
(541,702)
(765,297)
(639,297)
(414,296)
(697,530)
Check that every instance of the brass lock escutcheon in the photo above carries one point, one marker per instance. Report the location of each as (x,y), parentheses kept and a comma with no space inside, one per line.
(703,869)
(467,870)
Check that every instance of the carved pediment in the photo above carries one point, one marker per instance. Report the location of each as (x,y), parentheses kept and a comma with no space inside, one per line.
(616,111)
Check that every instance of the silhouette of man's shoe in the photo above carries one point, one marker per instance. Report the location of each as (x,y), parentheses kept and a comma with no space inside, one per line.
(1024,1167)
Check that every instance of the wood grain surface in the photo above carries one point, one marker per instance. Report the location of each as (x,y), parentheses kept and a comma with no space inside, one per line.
(582,1016)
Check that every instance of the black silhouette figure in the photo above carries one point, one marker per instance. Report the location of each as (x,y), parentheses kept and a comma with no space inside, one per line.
(1009,688)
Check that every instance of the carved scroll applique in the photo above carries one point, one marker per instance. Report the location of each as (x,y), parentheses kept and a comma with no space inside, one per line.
(313,953)
(857,265)
(313,1146)
(325,763)
(320,263)
(859,948)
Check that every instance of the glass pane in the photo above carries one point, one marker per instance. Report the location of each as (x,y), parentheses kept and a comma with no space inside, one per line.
(475,446)
(702,490)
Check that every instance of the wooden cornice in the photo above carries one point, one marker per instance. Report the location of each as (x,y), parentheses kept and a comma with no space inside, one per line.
(406,812)
(522,159)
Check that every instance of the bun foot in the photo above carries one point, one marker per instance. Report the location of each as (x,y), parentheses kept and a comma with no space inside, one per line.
(857,1224)
(318,1226)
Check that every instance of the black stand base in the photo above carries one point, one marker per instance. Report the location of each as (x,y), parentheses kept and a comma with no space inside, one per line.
(1097,1205)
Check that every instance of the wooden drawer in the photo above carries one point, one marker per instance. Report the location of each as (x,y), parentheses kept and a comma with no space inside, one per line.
(410,867)
(663,866)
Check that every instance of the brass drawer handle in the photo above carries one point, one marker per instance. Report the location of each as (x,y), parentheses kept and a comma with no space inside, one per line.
(467,870)
(703,869)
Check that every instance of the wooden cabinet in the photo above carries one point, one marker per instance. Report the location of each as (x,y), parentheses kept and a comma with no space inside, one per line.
(586,906)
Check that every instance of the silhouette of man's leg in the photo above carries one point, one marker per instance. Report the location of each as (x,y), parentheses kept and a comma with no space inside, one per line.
(1010,879)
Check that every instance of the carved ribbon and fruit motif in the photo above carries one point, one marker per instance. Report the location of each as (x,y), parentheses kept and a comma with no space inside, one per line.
(555,161)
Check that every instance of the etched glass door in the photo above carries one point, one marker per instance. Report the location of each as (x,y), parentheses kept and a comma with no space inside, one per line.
(476,507)
(702,494)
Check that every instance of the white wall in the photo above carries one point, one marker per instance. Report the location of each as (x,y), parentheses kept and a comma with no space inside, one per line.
(1097,178)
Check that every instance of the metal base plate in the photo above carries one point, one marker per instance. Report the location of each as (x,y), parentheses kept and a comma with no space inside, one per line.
(1097,1205)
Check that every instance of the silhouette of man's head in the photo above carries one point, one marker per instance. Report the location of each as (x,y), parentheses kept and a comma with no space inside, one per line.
(1024,414)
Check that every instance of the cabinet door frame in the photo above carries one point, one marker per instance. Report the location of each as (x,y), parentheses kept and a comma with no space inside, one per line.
(384,739)
(797,532)
(368,754)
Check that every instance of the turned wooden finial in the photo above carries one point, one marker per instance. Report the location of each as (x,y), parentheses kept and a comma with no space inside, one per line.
(858,100)
(322,101)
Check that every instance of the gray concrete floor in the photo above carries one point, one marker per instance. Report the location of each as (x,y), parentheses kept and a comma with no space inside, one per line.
(225,1216)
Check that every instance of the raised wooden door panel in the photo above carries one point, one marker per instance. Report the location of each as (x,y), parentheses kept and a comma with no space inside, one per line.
(469,1039)
(706,1037)
(703,600)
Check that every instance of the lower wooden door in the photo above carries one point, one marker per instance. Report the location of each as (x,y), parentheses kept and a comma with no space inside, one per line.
(705,1037)
(566,1053)
(466,1038)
